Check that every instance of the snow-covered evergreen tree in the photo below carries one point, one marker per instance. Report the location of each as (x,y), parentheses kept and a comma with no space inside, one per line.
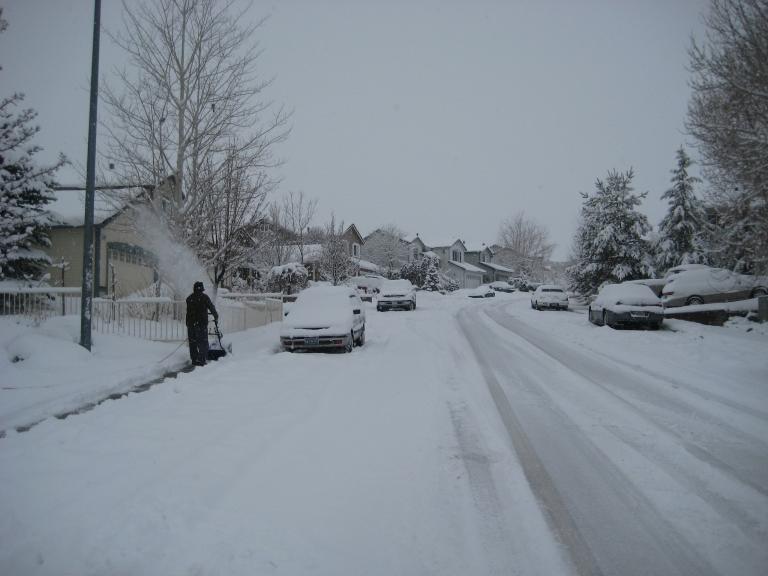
(429,265)
(610,243)
(412,272)
(25,190)
(680,232)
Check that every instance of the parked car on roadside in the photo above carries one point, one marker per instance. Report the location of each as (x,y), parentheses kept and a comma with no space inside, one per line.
(710,285)
(500,286)
(549,296)
(396,295)
(483,291)
(675,270)
(324,317)
(655,284)
(626,304)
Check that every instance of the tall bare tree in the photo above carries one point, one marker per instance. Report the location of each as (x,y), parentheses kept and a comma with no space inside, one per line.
(190,105)
(728,116)
(385,248)
(526,242)
(228,214)
(335,263)
(298,212)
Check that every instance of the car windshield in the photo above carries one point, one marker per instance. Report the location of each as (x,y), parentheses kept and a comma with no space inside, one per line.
(397,285)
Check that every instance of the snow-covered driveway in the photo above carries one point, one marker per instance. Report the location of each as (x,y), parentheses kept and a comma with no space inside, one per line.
(432,450)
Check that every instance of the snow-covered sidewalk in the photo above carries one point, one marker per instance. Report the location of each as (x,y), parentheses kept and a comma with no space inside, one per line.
(44,372)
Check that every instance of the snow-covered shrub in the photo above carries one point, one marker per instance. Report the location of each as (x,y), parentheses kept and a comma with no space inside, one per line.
(288,278)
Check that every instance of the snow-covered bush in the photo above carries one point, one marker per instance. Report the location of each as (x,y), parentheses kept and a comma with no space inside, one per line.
(288,278)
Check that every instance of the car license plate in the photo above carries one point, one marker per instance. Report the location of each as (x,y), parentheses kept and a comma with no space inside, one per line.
(639,314)
(312,341)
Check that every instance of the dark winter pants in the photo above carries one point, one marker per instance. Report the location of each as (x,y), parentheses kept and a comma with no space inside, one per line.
(198,344)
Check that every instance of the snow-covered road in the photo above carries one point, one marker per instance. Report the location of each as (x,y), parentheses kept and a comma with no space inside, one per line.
(467,437)
(647,461)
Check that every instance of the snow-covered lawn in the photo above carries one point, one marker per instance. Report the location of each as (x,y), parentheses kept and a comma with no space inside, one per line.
(394,459)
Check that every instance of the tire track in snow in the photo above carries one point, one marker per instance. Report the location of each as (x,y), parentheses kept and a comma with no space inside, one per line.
(607,525)
(620,388)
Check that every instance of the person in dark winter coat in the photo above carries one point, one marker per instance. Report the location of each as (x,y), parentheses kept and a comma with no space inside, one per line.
(198,306)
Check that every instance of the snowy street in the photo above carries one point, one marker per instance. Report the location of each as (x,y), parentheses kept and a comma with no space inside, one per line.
(466,437)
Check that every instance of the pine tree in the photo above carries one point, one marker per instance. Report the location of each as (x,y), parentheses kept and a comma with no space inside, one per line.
(429,265)
(610,244)
(680,232)
(25,190)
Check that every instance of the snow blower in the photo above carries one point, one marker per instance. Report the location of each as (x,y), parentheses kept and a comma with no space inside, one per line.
(216,348)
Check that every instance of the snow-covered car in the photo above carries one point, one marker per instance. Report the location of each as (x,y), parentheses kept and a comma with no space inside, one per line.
(655,284)
(396,294)
(626,304)
(549,296)
(500,286)
(483,291)
(324,317)
(675,270)
(708,285)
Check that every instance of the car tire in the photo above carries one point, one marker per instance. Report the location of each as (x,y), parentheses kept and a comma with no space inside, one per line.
(694,300)
(350,343)
(361,340)
(759,291)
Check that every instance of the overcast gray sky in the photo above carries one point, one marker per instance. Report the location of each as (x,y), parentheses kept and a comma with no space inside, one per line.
(441,117)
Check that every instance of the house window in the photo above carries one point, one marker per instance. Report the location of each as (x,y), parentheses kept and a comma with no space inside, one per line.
(355,250)
(456,255)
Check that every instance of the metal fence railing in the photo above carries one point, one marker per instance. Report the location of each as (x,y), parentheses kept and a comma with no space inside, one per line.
(39,303)
(149,318)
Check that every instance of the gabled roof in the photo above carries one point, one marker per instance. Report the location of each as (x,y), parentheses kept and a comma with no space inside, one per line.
(353,229)
(497,267)
(466,267)
(418,240)
(471,247)
(458,240)
(68,208)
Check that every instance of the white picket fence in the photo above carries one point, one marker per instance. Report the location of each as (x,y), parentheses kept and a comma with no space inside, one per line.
(149,318)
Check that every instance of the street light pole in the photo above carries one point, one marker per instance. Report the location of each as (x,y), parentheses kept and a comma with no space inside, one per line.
(86,302)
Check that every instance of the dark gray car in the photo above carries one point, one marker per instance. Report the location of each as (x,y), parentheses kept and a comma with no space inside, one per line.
(626,305)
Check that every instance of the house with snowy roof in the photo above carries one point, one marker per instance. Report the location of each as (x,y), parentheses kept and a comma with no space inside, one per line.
(453,264)
(483,258)
(123,264)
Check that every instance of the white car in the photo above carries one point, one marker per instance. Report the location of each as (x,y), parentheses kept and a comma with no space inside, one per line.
(626,304)
(549,296)
(709,285)
(396,294)
(324,317)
